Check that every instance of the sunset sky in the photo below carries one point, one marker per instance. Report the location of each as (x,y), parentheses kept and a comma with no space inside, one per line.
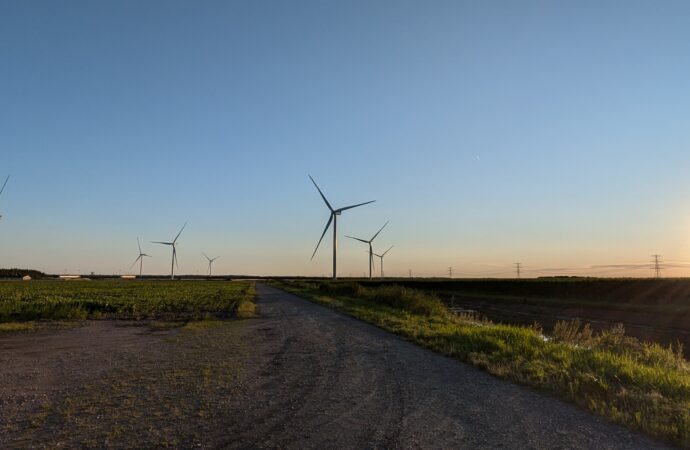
(555,134)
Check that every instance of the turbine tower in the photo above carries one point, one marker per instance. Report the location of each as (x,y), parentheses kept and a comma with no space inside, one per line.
(210,262)
(3,188)
(381,258)
(333,218)
(140,258)
(371,251)
(173,244)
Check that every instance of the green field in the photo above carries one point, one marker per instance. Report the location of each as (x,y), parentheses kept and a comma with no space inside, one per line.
(654,310)
(645,294)
(155,300)
(644,386)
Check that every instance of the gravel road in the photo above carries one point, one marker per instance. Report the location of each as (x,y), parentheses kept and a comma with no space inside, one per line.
(331,381)
(298,376)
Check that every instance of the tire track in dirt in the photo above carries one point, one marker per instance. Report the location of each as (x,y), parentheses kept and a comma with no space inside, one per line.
(298,376)
(338,382)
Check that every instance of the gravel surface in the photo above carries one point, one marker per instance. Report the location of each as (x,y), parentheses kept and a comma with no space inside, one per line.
(298,376)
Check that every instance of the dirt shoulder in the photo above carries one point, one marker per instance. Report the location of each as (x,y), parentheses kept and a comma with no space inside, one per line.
(298,376)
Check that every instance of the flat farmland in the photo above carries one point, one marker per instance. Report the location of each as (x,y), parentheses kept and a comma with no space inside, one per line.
(120,364)
(654,310)
(160,300)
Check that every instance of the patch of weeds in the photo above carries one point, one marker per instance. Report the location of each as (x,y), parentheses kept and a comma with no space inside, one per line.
(13,327)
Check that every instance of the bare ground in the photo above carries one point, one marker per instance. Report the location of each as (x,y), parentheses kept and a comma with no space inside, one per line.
(298,376)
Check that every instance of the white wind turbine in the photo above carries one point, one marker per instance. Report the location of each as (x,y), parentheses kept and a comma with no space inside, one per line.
(371,251)
(173,244)
(333,218)
(210,262)
(381,258)
(140,259)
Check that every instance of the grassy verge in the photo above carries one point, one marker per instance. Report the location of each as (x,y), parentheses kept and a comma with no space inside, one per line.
(155,300)
(643,386)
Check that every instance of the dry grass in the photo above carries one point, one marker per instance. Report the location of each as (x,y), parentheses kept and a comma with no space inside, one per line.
(11,327)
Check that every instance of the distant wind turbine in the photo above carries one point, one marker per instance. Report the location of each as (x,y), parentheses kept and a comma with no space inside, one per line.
(174,251)
(210,262)
(381,258)
(140,258)
(371,251)
(333,218)
(3,188)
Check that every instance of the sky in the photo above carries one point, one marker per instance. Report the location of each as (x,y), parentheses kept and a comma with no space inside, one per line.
(549,133)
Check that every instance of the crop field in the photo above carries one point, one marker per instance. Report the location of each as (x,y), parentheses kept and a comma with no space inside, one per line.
(655,310)
(645,386)
(163,300)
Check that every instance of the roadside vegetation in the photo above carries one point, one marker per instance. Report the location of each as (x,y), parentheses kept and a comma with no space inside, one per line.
(644,386)
(658,296)
(134,300)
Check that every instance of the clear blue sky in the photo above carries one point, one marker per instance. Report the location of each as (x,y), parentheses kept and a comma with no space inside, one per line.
(556,134)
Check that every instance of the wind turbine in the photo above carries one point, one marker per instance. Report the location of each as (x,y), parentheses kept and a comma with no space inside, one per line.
(174,251)
(333,218)
(371,251)
(140,258)
(210,262)
(381,258)
(3,188)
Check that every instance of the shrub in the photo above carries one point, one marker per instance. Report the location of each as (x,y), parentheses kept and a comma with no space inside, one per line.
(572,332)
(410,300)
(399,297)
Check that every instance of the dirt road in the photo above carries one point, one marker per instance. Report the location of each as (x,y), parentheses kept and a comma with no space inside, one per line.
(338,382)
(298,376)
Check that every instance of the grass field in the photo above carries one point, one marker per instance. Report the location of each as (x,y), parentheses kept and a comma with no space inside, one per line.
(656,310)
(670,295)
(643,386)
(160,300)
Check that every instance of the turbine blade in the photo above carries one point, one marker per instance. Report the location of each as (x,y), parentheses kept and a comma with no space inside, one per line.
(164,243)
(322,196)
(377,233)
(178,234)
(5,184)
(354,206)
(328,224)
(206,256)
(139,244)
(135,261)
(384,253)
(358,239)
